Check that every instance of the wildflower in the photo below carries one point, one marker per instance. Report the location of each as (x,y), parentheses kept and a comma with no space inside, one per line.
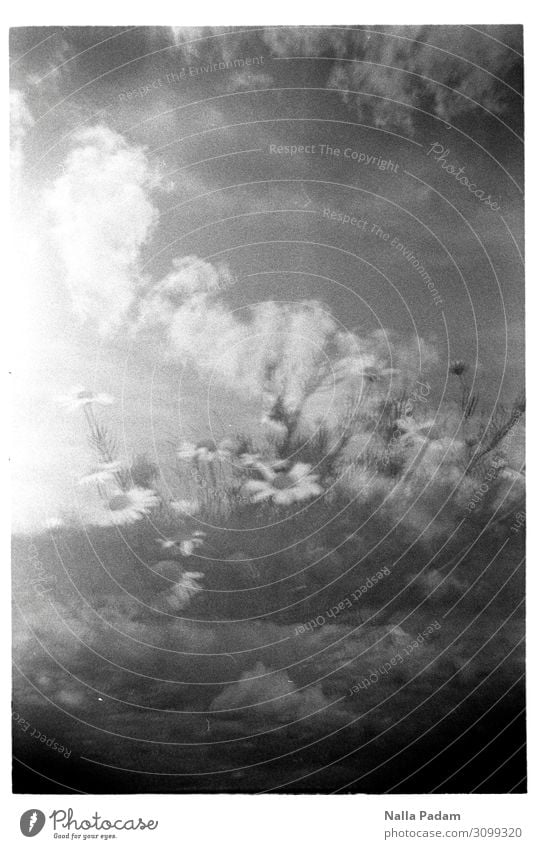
(52,523)
(284,487)
(186,547)
(249,460)
(458,367)
(104,473)
(125,508)
(185,590)
(274,427)
(367,367)
(206,450)
(81,397)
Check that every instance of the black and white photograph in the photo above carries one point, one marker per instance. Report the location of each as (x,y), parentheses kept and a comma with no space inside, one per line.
(268,397)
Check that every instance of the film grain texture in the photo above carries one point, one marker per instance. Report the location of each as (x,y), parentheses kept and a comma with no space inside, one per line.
(268,468)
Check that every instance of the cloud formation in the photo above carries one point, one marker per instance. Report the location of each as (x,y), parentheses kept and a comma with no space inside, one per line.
(20,122)
(448,71)
(272,696)
(419,67)
(266,349)
(102,217)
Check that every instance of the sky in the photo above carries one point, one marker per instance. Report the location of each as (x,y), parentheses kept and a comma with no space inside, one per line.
(187,200)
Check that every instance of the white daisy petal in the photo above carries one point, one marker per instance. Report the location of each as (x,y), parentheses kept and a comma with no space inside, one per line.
(104,473)
(186,451)
(263,495)
(125,508)
(299,470)
(81,397)
(283,496)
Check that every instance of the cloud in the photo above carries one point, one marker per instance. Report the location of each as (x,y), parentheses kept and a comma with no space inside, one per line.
(272,696)
(53,67)
(102,217)
(268,350)
(270,347)
(415,66)
(423,73)
(445,70)
(20,122)
(298,41)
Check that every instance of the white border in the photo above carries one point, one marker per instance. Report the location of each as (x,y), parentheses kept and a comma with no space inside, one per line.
(289,821)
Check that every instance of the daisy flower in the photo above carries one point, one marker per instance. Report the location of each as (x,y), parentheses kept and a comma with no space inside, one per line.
(365,366)
(185,590)
(125,508)
(52,523)
(248,460)
(81,397)
(458,367)
(188,546)
(206,450)
(274,427)
(284,487)
(104,473)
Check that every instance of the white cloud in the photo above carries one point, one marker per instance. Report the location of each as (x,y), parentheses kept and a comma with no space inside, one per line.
(102,216)
(272,695)
(399,64)
(417,66)
(20,121)
(267,348)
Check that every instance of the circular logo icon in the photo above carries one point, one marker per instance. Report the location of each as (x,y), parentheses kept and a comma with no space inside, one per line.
(32,822)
